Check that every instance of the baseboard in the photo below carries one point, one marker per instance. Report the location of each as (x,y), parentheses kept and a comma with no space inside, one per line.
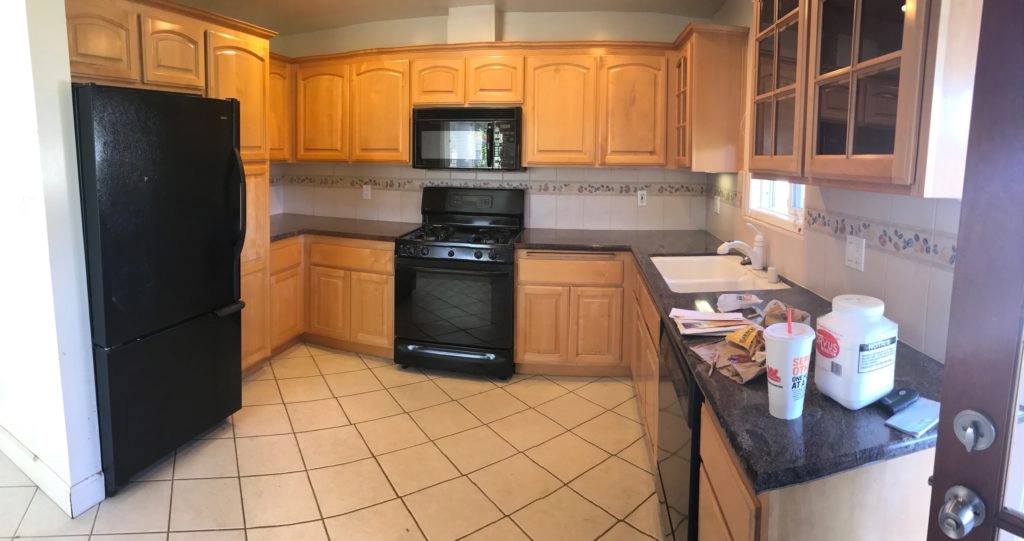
(73,500)
(387,353)
(571,369)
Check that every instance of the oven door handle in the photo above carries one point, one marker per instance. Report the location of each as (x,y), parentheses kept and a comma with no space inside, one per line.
(458,272)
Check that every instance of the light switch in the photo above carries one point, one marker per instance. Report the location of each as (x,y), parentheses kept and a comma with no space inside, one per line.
(855,252)
(641,198)
(718,204)
(367,191)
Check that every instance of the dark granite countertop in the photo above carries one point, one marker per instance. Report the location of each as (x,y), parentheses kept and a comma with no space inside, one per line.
(283,226)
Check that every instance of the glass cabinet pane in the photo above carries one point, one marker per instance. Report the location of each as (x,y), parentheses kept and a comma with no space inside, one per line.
(785,117)
(881,28)
(836,34)
(767,15)
(874,128)
(765,64)
(763,128)
(833,108)
(785,6)
(786,69)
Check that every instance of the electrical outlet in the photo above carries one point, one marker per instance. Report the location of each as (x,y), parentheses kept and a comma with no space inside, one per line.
(718,205)
(641,198)
(367,191)
(855,252)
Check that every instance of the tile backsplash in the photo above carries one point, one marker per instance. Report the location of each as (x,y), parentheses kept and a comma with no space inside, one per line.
(563,198)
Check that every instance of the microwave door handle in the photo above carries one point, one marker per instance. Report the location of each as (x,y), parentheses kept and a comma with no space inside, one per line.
(490,145)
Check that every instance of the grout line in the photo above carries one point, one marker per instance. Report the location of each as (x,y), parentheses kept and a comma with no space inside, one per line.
(25,512)
(238,478)
(309,480)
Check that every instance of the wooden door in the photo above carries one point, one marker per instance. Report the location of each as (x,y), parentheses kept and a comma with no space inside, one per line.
(380,111)
(542,323)
(438,81)
(321,107)
(632,106)
(238,67)
(287,306)
(595,325)
(257,213)
(254,283)
(559,121)
(103,39)
(373,307)
(280,125)
(494,79)
(172,50)
(329,300)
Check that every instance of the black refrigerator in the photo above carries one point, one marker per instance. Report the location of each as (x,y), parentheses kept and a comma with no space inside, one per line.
(163,210)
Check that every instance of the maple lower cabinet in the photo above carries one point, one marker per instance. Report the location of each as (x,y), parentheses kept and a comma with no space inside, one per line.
(542,323)
(103,39)
(238,66)
(287,291)
(254,282)
(257,213)
(380,115)
(560,116)
(329,302)
(438,81)
(281,111)
(595,324)
(632,109)
(321,111)
(494,78)
(372,308)
(173,51)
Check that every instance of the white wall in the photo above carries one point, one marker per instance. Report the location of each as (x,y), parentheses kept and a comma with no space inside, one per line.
(735,12)
(396,33)
(48,424)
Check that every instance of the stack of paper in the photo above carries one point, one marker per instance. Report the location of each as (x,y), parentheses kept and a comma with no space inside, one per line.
(693,322)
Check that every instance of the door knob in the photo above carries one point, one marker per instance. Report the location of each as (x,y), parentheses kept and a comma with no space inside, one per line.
(961,513)
(974,430)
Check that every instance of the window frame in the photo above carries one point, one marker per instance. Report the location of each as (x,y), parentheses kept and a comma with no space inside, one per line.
(792,220)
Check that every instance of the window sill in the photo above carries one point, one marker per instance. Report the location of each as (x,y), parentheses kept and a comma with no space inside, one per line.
(779,221)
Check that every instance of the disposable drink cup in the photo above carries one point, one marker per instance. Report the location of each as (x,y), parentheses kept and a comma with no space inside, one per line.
(789,359)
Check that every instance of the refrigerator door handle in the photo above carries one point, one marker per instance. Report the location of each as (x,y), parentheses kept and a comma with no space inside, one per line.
(242,201)
(229,309)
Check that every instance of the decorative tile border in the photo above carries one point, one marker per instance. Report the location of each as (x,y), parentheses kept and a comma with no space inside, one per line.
(936,248)
(539,187)
(729,197)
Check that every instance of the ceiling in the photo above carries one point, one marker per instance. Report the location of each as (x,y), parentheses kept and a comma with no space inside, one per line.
(296,16)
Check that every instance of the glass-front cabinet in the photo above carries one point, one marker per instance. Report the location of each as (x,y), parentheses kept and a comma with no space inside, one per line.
(681,75)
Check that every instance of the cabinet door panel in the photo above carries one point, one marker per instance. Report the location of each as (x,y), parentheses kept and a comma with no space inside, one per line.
(322,112)
(287,304)
(595,322)
(238,67)
(280,127)
(257,213)
(380,111)
(710,520)
(329,300)
(494,79)
(632,108)
(438,81)
(254,283)
(373,306)
(172,51)
(542,323)
(103,39)
(560,112)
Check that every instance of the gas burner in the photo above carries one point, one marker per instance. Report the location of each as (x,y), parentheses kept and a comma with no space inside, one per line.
(432,233)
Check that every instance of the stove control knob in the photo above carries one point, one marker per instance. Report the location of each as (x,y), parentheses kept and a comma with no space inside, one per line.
(451,253)
(492,255)
(478,254)
(424,251)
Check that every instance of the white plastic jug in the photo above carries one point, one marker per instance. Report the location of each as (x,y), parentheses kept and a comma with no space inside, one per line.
(855,361)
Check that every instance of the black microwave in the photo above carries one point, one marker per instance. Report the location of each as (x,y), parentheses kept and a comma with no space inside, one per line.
(466,138)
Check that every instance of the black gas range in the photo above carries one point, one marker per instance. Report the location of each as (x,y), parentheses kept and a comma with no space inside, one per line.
(455,282)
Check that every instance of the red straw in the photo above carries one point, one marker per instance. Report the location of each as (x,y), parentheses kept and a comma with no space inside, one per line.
(789,319)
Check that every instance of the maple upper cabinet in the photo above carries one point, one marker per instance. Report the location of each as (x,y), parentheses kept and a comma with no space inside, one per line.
(380,114)
(103,39)
(173,52)
(238,66)
(321,111)
(280,114)
(438,81)
(560,115)
(494,79)
(632,110)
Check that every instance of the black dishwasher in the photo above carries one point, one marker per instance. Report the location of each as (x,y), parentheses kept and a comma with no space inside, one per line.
(679,401)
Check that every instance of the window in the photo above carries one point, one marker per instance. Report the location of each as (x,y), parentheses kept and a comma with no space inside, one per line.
(777,202)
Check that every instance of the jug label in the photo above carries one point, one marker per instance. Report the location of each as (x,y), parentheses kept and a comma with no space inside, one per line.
(877,355)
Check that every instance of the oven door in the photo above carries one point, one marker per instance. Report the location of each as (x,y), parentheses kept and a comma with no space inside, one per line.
(452,144)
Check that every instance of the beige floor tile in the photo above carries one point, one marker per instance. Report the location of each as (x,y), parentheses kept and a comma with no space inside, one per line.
(223,535)
(451,510)
(294,367)
(221,430)
(260,392)
(11,475)
(606,393)
(317,350)
(264,372)
(493,405)
(419,395)
(503,530)
(342,362)
(374,361)
(623,532)
(391,434)
(297,350)
(349,383)
(201,459)
(536,391)
(567,456)
(331,447)
(515,482)
(610,431)
(126,537)
(637,455)
(526,429)
(316,415)
(647,517)
(389,521)
(475,448)
(570,410)
(161,470)
(416,468)
(546,520)
(572,382)
(304,389)
(629,409)
(13,503)
(340,489)
(444,419)
(516,378)
(261,421)
(275,500)
(137,508)
(262,455)
(459,387)
(616,485)
(670,438)
(308,531)
(395,376)
(206,504)
(369,406)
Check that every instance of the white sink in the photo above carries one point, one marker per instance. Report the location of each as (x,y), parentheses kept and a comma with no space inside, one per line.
(696,274)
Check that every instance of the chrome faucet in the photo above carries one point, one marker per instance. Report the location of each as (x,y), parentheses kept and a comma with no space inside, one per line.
(755,253)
